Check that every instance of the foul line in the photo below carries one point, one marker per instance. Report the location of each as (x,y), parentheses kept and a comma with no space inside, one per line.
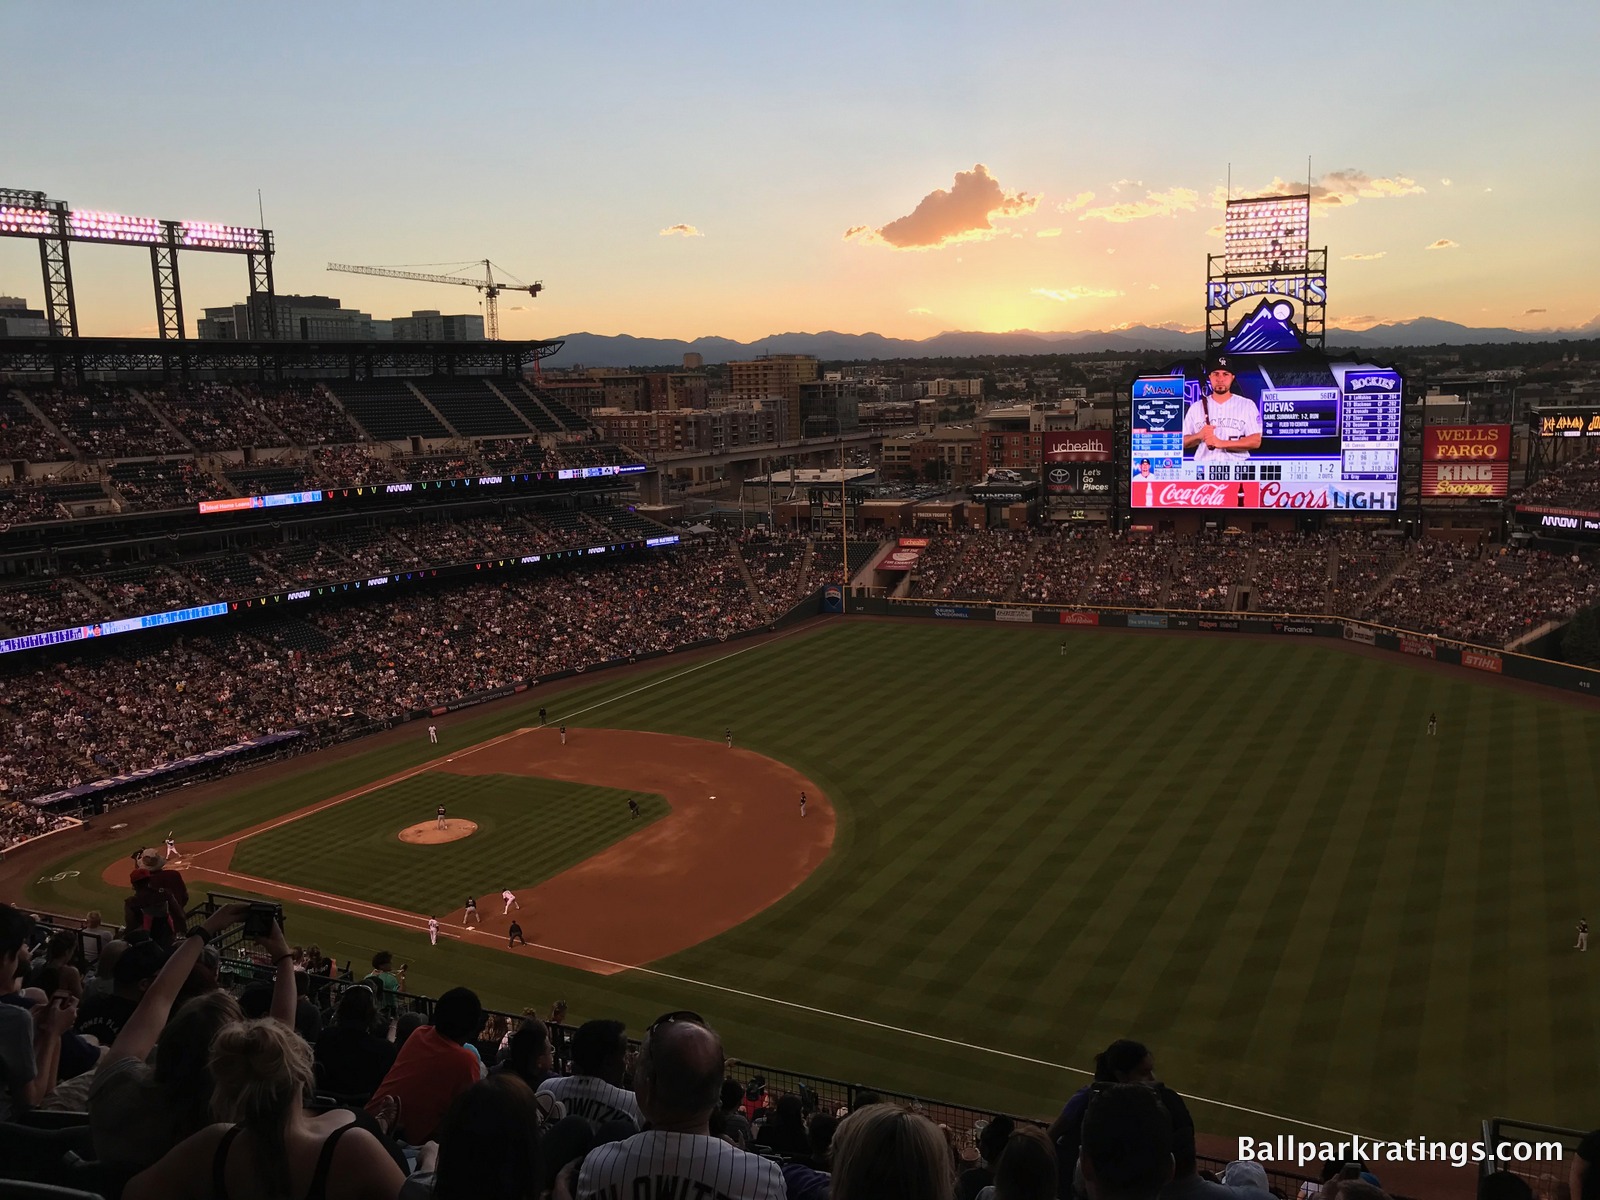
(916,1033)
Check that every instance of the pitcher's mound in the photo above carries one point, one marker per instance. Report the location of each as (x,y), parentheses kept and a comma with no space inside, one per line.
(428,833)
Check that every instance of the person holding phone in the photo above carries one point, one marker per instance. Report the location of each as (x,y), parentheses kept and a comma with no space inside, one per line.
(30,1035)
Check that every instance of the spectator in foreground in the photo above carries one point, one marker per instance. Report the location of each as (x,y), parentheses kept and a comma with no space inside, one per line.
(529,1054)
(1583,1176)
(104,1013)
(487,1148)
(592,1091)
(433,1067)
(1127,1144)
(991,1143)
(735,1125)
(30,1042)
(679,1085)
(1026,1170)
(1186,1182)
(1124,1061)
(785,1131)
(269,1146)
(351,1059)
(882,1152)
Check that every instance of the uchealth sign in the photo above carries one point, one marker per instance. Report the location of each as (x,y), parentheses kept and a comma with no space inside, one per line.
(1090,445)
(1377,496)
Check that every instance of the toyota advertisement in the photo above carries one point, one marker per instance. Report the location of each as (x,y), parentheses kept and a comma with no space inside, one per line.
(1079,463)
(1274,434)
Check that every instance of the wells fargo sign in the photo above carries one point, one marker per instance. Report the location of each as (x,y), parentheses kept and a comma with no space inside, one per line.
(1466,460)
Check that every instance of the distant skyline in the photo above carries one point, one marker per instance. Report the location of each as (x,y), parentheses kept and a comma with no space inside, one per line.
(741,170)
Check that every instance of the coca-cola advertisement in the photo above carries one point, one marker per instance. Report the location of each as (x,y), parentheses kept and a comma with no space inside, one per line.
(1273,495)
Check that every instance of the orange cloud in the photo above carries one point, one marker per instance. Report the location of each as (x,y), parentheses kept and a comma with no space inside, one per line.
(1077,202)
(681,231)
(963,214)
(1339,189)
(1443,244)
(1047,233)
(1362,257)
(1155,204)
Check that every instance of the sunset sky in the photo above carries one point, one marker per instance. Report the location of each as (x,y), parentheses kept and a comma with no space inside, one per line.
(741,169)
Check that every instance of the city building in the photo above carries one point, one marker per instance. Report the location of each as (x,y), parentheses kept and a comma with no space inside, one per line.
(774,376)
(629,391)
(430,325)
(18,320)
(1013,438)
(654,433)
(829,406)
(971,389)
(951,455)
(299,318)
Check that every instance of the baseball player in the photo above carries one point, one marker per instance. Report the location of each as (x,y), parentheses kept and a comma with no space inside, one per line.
(563,735)
(514,935)
(470,917)
(541,716)
(433,734)
(172,846)
(510,898)
(433,931)
(729,732)
(440,822)
(1583,936)
(802,804)
(1222,426)
(633,808)
(1433,724)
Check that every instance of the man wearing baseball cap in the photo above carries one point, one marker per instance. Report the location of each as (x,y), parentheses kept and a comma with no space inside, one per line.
(1222,426)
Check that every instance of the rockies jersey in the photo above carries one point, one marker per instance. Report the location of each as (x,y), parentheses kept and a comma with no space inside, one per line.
(595,1100)
(677,1166)
(1235,418)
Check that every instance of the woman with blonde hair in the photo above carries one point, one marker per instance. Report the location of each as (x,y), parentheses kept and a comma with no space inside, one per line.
(882,1152)
(269,1147)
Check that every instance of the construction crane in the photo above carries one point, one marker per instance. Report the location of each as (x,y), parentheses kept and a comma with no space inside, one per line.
(488,285)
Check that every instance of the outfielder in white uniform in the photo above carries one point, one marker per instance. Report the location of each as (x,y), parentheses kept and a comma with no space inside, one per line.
(433,734)
(433,931)
(678,1080)
(1223,427)
(510,898)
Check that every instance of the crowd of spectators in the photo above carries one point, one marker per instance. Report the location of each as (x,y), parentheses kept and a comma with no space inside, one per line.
(1365,562)
(306,412)
(1575,485)
(175,483)
(1063,564)
(104,421)
(345,466)
(270,1070)
(1205,570)
(214,416)
(32,499)
(1291,572)
(20,822)
(1132,571)
(23,436)
(776,562)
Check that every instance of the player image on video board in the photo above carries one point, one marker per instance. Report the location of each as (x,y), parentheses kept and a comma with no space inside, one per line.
(1290,431)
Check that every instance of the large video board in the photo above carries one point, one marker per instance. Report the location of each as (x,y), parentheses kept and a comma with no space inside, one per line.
(1268,434)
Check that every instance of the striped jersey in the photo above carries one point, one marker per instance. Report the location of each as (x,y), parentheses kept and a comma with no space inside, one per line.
(593,1099)
(677,1166)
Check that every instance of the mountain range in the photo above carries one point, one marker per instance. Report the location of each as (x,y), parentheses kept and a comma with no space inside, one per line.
(624,350)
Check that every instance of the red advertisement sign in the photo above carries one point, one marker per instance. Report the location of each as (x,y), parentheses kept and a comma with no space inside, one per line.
(1472,443)
(1482,660)
(1080,618)
(901,558)
(1089,445)
(1417,647)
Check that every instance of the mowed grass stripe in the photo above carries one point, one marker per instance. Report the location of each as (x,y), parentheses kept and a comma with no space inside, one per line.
(529,830)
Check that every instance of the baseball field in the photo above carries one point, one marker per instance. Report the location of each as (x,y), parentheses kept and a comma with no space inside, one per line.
(1249,854)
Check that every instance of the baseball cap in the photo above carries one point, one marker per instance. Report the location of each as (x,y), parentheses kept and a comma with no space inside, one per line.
(1245,1175)
(1219,362)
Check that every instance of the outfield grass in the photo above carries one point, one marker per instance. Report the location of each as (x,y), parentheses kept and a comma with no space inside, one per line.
(528,831)
(1246,853)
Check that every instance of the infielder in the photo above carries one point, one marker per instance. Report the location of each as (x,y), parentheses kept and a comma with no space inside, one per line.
(433,931)
(510,898)
(802,804)
(470,917)
(633,808)
(433,734)
(1433,724)
(563,735)
(439,822)
(729,732)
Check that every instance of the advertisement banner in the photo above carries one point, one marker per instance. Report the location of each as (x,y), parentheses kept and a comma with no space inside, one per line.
(1296,627)
(1360,633)
(901,558)
(1488,479)
(1080,618)
(1560,522)
(1298,497)
(1466,443)
(951,611)
(1577,421)
(1019,616)
(1147,621)
(1089,445)
(1417,647)
(1079,479)
(1482,660)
